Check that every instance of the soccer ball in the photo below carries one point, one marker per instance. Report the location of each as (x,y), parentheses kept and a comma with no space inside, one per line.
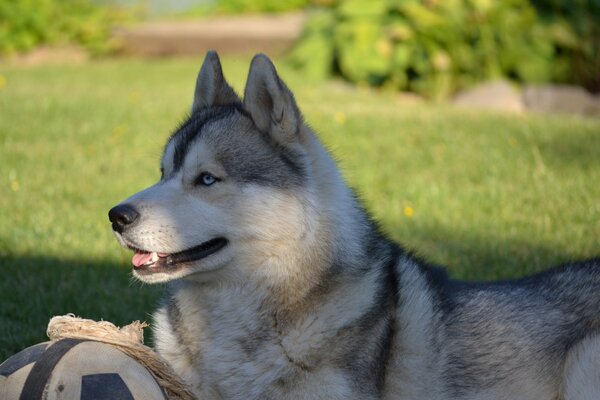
(76,369)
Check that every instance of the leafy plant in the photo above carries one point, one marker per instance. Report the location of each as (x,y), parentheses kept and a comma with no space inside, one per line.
(25,24)
(581,56)
(436,47)
(256,6)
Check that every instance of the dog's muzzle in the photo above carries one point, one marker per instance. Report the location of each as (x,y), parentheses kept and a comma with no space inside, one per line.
(122,217)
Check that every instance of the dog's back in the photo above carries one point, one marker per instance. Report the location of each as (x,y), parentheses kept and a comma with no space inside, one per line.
(501,340)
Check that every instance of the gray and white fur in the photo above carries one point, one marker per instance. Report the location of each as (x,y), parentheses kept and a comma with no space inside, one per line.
(280,286)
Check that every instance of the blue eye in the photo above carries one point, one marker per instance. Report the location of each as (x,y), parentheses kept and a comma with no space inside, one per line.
(205,179)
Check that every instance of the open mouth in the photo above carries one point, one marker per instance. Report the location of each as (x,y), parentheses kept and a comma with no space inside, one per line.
(147,262)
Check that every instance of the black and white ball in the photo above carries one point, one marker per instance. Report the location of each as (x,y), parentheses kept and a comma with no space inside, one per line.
(76,369)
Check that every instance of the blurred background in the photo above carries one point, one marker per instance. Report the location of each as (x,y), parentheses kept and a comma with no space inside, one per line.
(469,128)
(430,47)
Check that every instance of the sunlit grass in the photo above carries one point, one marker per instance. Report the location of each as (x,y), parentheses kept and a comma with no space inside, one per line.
(491,196)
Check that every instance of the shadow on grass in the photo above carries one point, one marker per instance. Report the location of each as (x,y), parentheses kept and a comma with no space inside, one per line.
(493,256)
(34,289)
(580,150)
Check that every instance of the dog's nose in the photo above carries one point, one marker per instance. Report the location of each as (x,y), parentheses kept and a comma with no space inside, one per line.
(121,216)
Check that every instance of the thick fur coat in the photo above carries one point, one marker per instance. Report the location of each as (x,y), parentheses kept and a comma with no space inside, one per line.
(281,287)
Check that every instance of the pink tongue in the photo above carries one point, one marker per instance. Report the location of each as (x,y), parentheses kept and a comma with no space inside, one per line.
(140,259)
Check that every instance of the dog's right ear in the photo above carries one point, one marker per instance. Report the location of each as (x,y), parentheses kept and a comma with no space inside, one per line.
(211,87)
(270,102)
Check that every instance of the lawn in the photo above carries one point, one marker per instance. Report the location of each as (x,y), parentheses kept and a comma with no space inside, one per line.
(491,196)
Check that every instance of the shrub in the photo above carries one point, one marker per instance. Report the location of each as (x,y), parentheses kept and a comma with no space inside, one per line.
(25,24)
(435,47)
(583,16)
(256,6)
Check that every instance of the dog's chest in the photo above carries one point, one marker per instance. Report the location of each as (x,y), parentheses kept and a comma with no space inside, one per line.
(227,343)
(232,346)
(243,357)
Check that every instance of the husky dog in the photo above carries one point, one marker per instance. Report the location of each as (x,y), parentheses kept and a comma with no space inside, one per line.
(280,286)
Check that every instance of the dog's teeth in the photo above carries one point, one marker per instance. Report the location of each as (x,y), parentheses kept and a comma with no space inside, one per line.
(154,257)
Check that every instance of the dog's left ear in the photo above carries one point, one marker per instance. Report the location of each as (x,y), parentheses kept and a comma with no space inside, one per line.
(211,87)
(270,102)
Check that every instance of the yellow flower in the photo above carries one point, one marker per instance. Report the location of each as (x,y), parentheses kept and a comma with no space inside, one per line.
(117,132)
(339,117)
(14,183)
(134,97)
(409,211)
(2,81)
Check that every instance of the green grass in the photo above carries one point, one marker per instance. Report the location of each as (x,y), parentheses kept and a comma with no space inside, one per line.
(492,196)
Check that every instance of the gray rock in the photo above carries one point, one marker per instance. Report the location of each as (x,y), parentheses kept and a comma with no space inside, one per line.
(560,99)
(496,96)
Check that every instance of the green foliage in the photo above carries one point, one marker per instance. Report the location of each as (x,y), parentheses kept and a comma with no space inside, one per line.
(435,47)
(581,50)
(25,24)
(256,6)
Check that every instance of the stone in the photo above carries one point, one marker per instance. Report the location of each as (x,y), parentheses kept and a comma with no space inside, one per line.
(560,99)
(495,96)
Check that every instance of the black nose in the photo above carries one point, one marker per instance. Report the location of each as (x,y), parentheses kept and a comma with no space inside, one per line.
(121,216)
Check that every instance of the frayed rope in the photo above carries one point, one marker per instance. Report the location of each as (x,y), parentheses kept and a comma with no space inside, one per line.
(130,340)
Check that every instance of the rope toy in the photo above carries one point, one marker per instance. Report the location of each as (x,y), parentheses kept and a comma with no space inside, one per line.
(130,340)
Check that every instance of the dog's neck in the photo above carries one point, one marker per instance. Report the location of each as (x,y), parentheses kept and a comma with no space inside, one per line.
(333,248)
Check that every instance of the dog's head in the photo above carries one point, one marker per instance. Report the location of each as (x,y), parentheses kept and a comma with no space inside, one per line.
(229,192)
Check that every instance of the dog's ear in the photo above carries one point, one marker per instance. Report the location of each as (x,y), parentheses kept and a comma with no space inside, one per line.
(211,87)
(270,102)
